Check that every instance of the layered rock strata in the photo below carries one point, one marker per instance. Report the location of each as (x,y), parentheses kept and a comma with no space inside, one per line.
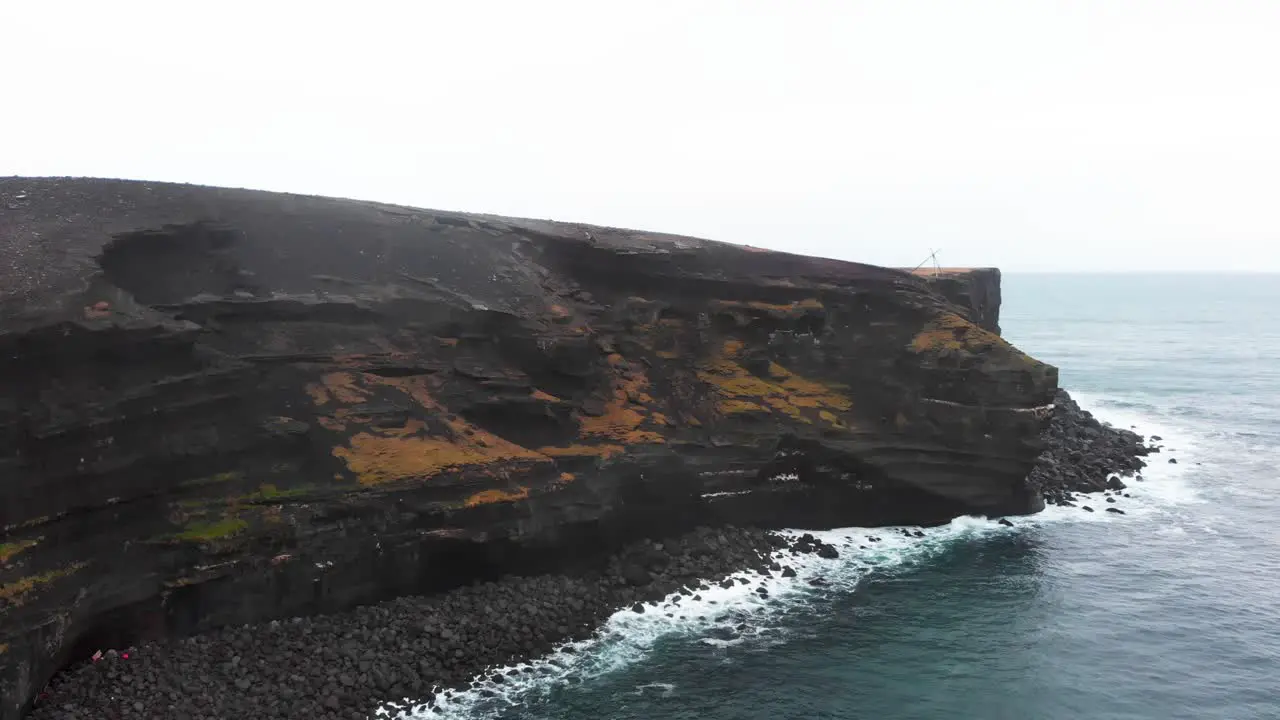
(351,665)
(224,406)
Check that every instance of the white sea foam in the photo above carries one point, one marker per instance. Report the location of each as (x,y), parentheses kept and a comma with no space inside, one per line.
(725,617)
(663,689)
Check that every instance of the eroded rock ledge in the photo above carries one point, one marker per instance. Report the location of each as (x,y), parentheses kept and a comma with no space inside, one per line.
(224,406)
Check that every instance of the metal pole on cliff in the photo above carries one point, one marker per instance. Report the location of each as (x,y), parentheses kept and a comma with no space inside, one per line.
(933,255)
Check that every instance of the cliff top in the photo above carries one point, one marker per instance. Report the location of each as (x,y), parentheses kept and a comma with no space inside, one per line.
(928,271)
(56,233)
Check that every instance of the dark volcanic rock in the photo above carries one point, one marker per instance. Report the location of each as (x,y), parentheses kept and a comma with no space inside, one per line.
(1082,455)
(975,290)
(357,660)
(223,406)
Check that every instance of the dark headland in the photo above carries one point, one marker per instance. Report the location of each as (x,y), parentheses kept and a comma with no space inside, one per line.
(406,445)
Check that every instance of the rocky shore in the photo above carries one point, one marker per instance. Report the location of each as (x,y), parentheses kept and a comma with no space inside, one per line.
(1082,455)
(347,665)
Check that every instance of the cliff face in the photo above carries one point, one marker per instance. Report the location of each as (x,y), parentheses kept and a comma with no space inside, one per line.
(975,290)
(221,406)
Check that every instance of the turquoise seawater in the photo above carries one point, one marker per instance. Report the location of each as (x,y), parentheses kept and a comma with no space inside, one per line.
(1170,611)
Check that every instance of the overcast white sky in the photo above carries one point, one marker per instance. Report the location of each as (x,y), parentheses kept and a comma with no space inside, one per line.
(1028,134)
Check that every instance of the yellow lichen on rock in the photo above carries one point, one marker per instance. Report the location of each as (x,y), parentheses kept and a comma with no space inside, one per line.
(950,333)
(379,455)
(15,593)
(487,497)
(318,394)
(545,397)
(405,454)
(741,392)
(605,450)
(340,386)
(203,532)
(11,549)
(626,411)
(739,407)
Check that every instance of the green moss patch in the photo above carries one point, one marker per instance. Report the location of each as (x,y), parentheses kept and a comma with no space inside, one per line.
(15,592)
(10,549)
(219,478)
(208,531)
(269,492)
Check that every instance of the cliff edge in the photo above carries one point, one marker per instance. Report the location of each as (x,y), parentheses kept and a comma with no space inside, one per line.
(221,406)
(975,290)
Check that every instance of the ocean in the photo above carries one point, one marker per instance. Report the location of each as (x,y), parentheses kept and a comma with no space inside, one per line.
(1169,611)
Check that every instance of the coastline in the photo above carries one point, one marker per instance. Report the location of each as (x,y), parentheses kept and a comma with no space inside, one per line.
(229,407)
(400,657)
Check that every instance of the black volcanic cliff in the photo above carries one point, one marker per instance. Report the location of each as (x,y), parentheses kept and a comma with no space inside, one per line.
(221,406)
(974,290)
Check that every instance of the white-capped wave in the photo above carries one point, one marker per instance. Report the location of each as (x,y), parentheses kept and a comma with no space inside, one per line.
(724,617)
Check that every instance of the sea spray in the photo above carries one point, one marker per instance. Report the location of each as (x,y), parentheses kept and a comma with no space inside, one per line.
(729,616)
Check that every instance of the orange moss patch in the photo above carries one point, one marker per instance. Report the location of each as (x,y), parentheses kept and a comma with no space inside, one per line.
(405,454)
(382,455)
(625,413)
(544,397)
(785,392)
(16,592)
(667,354)
(949,333)
(606,450)
(318,394)
(340,386)
(496,496)
(343,387)
(740,407)
(566,477)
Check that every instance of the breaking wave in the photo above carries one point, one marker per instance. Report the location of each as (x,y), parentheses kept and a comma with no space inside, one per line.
(726,617)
